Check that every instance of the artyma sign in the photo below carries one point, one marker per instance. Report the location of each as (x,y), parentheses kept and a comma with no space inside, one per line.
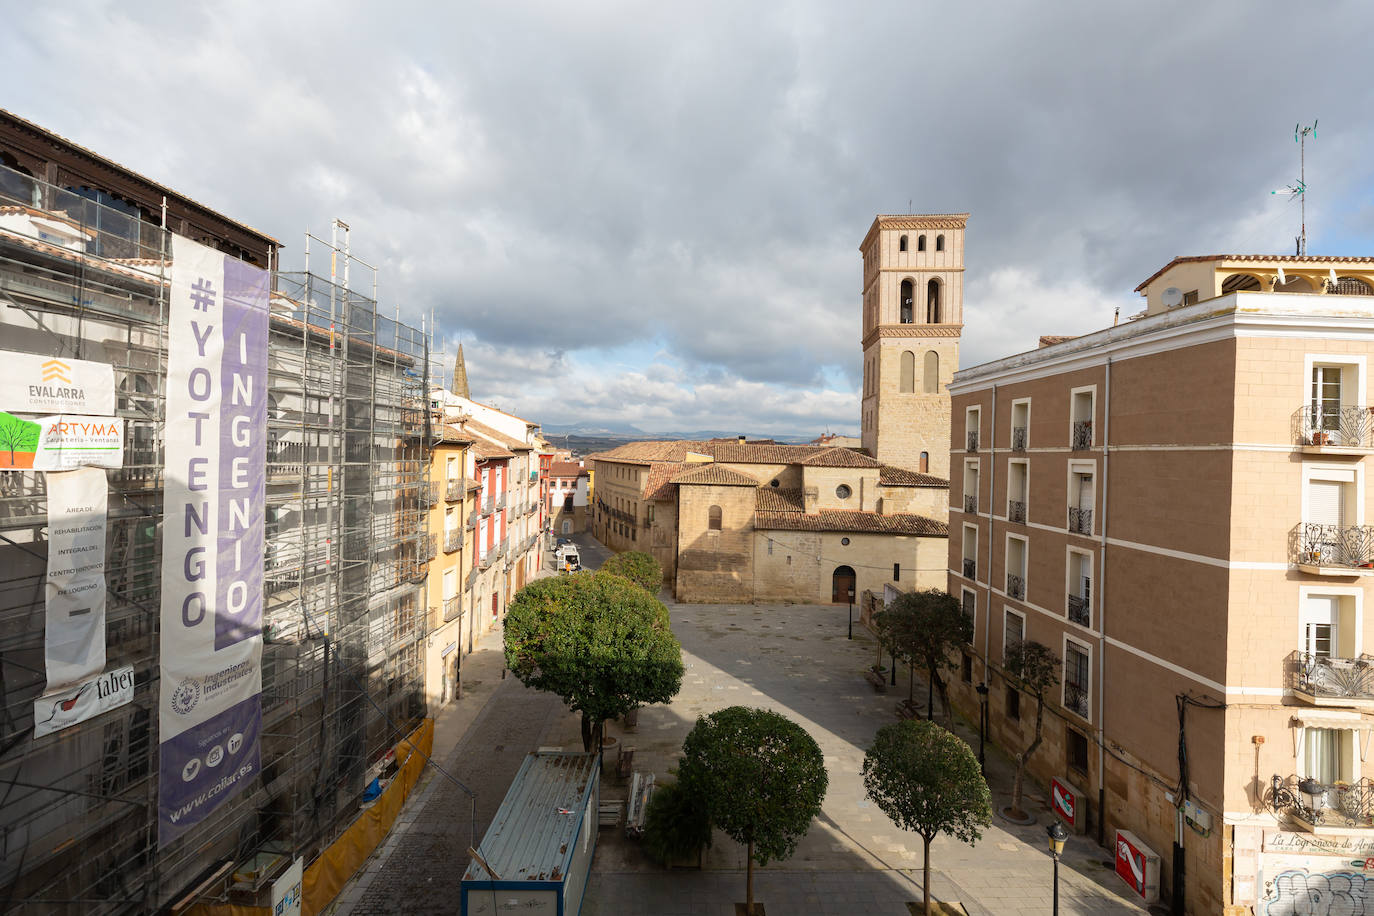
(210,704)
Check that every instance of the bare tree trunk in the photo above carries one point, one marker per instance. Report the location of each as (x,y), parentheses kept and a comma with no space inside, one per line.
(925,841)
(587,734)
(1016,785)
(1024,757)
(943,689)
(749,882)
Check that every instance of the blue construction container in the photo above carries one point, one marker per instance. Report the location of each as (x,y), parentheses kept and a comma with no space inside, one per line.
(541,841)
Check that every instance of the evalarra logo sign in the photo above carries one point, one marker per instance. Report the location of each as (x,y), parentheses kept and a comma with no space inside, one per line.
(33,383)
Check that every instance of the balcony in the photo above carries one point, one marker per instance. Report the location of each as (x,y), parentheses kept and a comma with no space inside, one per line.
(1321,430)
(453,488)
(1016,587)
(471,523)
(1321,807)
(971,503)
(429,494)
(453,608)
(1078,610)
(1335,550)
(973,441)
(970,568)
(429,547)
(486,559)
(501,501)
(453,540)
(1082,438)
(1016,511)
(1324,681)
(487,506)
(1018,438)
(1080,520)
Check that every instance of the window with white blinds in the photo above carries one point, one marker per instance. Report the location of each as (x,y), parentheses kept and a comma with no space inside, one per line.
(1326,502)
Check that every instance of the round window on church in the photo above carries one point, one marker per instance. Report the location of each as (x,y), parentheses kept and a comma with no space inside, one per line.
(774,482)
(843,491)
(844,542)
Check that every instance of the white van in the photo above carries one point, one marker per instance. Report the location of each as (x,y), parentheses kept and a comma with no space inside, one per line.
(568,559)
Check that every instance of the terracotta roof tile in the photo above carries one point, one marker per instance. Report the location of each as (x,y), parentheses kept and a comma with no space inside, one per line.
(485,450)
(837,457)
(492,435)
(566,469)
(658,483)
(714,475)
(862,522)
(901,477)
(779,499)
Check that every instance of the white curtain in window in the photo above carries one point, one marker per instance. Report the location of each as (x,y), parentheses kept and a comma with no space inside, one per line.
(1325,754)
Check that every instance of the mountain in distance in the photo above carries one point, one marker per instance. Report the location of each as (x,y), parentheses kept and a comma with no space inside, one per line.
(627,433)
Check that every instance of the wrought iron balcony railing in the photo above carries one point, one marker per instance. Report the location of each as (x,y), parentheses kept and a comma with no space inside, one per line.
(1016,586)
(1331,678)
(487,506)
(1076,698)
(1018,438)
(1339,427)
(1323,804)
(430,547)
(453,540)
(453,608)
(1080,520)
(501,501)
(429,494)
(1082,435)
(973,441)
(1078,609)
(454,488)
(471,523)
(970,568)
(1342,546)
(1016,511)
(486,559)
(970,503)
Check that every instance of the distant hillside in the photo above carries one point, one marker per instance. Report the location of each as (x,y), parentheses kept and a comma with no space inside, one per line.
(586,444)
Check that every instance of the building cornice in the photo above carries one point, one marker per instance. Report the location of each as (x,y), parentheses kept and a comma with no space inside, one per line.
(915,221)
(911,331)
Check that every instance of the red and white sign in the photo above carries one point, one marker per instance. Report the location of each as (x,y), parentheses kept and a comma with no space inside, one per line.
(1064,802)
(1138,866)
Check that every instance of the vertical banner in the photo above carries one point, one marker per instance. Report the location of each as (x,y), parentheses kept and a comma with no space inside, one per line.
(210,708)
(74,594)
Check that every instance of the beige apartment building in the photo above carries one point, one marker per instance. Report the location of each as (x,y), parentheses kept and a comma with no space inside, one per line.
(1176,507)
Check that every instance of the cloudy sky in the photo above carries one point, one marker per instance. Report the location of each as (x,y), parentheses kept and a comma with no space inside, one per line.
(649,214)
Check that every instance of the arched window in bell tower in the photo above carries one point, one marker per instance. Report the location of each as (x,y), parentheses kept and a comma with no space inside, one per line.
(901,244)
(933,301)
(908,372)
(930,384)
(939,243)
(907,294)
(921,243)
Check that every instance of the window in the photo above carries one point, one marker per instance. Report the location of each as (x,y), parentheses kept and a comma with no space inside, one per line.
(1080,582)
(1013,704)
(649,513)
(939,243)
(930,379)
(1330,507)
(971,418)
(1076,682)
(843,491)
(906,315)
(1020,425)
(896,572)
(925,462)
(1334,413)
(1328,628)
(933,301)
(1081,418)
(1018,490)
(1239,283)
(970,569)
(1017,554)
(966,670)
(901,244)
(714,518)
(971,485)
(908,372)
(1081,498)
(770,547)
(1076,750)
(844,542)
(921,243)
(1013,632)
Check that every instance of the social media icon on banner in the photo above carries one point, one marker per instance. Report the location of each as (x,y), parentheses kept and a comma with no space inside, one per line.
(189,771)
(235,742)
(213,758)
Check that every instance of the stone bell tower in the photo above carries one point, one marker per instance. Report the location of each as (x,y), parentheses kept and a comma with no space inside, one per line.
(913,314)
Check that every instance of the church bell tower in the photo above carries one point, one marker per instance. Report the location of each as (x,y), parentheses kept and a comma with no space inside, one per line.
(913,314)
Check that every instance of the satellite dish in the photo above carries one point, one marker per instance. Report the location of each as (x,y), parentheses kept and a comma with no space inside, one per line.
(1173,297)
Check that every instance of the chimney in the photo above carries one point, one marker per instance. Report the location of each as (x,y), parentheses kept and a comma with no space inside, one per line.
(741,440)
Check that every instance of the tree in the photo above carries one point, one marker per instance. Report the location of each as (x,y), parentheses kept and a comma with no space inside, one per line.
(640,568)
(928,781)
(677,823)
(926,628)
(601,643)
(1034,668)
(18,435)
(763,778)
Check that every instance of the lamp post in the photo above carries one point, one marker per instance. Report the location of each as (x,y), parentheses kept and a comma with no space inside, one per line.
(851,612)
(1057,835)
(982,689)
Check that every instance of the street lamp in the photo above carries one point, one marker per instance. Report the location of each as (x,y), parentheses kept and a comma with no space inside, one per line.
(851,612)
(982,689)
(1057,835)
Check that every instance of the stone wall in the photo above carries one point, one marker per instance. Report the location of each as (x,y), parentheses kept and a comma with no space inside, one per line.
(715,566)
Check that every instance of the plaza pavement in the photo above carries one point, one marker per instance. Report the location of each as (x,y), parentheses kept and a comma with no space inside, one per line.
(794,659)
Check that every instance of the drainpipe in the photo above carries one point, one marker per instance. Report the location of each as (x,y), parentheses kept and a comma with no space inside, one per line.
(992,522)
(1102,618)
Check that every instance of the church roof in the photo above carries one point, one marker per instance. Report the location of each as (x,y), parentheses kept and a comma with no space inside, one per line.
(858,522)
(779,499)
(714,475)
(901,477)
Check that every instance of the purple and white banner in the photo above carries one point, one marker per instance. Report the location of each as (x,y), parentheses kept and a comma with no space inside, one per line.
(210,709)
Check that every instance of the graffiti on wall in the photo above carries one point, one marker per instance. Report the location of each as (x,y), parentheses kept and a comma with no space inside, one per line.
(1298,892)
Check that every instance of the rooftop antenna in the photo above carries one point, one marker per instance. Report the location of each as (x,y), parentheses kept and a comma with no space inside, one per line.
(1299,191)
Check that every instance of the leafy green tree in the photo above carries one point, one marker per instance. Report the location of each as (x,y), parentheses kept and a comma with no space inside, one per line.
(601,643)
(640,568)
(18,435)
(763,778)
(677,824)
(1034,668)
(928,781)
(927,628)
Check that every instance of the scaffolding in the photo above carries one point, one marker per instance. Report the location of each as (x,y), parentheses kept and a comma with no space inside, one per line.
(344,566)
